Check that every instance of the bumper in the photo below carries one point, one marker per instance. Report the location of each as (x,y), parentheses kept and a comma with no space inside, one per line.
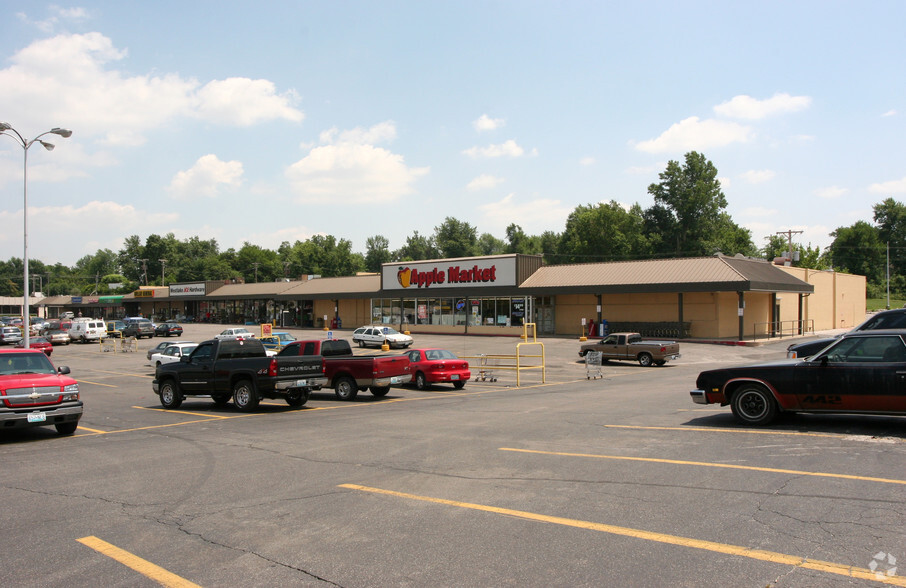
(311,383)
(447,377)
(392,381)
(699,397)
(36,417)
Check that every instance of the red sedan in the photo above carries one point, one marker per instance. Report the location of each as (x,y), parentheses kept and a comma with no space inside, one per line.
(37,343)
(431,366)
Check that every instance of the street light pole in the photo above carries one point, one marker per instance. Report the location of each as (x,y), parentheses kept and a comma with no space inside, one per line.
(9,131)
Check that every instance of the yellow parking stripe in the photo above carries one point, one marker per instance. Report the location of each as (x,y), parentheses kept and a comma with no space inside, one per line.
(725,548)
(714,465)
(81,381)
(143,567)
(712,430)
(81,428)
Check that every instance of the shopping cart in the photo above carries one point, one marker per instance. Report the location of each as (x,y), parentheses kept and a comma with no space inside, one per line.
(593,369)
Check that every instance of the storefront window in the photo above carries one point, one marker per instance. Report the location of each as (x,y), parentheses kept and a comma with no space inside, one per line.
(488,311)
(517,312)
(409,305)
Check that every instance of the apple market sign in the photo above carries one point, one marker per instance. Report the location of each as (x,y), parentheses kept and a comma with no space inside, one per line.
(455,273)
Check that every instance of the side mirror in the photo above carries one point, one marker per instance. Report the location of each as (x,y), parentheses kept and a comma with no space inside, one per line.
(63,369)
(823,361)
(185,358)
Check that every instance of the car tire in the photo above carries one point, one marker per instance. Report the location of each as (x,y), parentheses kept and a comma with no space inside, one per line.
(346,388)
(67,428)
(660,362)
(361,343)
(245,397)
(220,399)
(379,391)
(297,398)
(421,382)
(170,396)
(645,359)
(459,384)
(752,404)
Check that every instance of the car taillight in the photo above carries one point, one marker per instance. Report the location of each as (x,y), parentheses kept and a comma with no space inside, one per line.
(272,368)
(323,367)
(663,349)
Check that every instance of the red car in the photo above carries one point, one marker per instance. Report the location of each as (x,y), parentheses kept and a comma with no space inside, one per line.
(431,366)
(33,393)
(37,343)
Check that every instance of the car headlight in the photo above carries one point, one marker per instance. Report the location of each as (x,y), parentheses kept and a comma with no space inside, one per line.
(71,392)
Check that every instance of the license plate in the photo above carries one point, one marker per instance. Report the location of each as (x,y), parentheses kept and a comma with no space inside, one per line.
(454,377)
(37,417)
(301,383)
(395,380)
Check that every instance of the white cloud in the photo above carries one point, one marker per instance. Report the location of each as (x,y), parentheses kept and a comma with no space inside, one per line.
(586,161)
(644,170)
(758,176)
(759,211)
(891,187)
(695,134)
(507,149)
(352,169)
(73,81)
(57,15)
(244,102)
(724,182)
(749,108)
(486,123)
(93,220)
(206,178)
(535,216)
(484,182)
(383,132)
(830,192)
(890,113)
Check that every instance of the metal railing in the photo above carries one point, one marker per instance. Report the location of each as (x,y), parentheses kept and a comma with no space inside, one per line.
(781,329)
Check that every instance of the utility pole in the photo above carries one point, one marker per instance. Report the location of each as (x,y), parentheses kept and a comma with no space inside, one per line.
(144,269)
(163,265)
(789,237)
(255,265)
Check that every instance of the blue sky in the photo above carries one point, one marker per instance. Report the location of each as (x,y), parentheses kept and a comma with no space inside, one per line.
(274,121)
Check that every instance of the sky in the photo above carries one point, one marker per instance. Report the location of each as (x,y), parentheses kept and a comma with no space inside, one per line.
(275,121)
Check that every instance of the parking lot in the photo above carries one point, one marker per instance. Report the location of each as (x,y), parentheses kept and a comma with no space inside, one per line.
(620,480)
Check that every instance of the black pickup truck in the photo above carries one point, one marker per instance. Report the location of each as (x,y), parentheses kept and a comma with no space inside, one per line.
(239,369)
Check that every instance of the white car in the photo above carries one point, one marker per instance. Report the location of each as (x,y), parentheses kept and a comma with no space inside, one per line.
(172,353)
(235,333)
(378,335)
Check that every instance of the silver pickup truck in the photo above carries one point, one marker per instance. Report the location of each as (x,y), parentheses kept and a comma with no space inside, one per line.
(631,346)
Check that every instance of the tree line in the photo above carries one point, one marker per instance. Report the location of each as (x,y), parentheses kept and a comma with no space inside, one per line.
(688,219)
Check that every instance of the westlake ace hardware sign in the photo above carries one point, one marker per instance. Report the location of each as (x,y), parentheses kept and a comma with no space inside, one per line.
(468,273)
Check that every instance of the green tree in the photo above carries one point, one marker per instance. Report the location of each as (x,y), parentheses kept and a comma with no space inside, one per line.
(857,249)
(488,244)
(456,238)
(688,216)
(890,218)
(417,247)
(603,232)
(377,253)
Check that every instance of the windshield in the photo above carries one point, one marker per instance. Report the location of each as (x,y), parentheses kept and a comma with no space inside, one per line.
(25,363)
(439,354)
(884,320)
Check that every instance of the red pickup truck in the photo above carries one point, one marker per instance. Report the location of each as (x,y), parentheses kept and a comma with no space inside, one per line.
(34,394)
(347,373)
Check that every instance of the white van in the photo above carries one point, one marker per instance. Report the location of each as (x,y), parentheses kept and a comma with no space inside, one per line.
(87,329)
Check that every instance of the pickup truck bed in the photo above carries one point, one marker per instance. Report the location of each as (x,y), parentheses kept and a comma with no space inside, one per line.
(347,373)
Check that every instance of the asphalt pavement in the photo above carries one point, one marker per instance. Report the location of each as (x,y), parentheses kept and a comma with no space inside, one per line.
(562,480)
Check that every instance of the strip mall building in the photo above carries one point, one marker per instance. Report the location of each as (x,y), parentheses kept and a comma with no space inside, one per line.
(708,297)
